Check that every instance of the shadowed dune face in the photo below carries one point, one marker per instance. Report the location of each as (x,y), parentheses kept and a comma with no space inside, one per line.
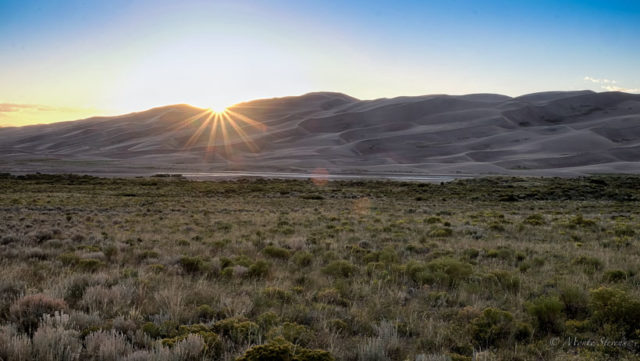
(551,133)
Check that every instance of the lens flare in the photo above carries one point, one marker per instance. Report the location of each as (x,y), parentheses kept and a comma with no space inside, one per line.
(234,128)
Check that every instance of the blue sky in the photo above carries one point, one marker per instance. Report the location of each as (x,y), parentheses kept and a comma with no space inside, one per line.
(67,59)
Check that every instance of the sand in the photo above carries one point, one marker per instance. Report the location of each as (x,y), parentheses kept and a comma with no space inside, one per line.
(551,133)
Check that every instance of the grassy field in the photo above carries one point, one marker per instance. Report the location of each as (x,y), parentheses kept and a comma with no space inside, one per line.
(169,269)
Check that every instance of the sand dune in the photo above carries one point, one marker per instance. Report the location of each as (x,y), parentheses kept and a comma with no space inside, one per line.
(551,133)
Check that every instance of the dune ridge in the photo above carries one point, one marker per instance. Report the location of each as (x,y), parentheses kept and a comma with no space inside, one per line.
(551,133)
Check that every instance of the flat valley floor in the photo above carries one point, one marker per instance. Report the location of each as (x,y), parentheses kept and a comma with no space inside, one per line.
(172,269)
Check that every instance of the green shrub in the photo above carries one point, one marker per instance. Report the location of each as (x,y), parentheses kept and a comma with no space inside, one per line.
(89,264)
(504,253)
(590,264)
(338,325)
(267,320)
(277,294)
(237,330)
(276,252)
(192,265)
(624,230)
(152,330)
(281,350)
(69,259)
(470,253)
(615,276)
(454,271)
(212,342)
(547,312)
(340,268)
(496,226)
(439,232)
(259,269)
(573,327)
(433,220)
(293,332)
(444,270)
(580,221)
(388,255)
(616,309)
(493,327)
(205,313)
(506,280)
(576,302)
(535,220)
(523,332)
(303,259)
(331,296)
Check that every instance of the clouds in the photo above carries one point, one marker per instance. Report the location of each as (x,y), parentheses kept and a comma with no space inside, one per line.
(13,107)
(17,114)
(610,85)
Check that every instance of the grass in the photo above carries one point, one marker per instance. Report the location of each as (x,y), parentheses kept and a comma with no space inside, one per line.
(168,269)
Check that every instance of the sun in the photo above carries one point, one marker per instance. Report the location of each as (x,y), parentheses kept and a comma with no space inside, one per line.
(217,109)
(222,128)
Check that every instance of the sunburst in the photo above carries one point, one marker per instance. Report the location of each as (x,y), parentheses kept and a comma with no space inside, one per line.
(227,123)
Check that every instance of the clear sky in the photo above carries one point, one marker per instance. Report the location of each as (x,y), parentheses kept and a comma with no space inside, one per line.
(63,60)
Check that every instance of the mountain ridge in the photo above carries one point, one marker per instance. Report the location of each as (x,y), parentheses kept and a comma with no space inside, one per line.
(547,133)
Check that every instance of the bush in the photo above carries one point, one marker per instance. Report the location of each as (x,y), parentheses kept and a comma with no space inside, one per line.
(444,270)
(589,263)
(340,268)
(535,220)
(331,296)
(89,264)
(259,269)
(27,311)
(280,349)
(56,344)
(614,276)
(10,291)
(547,311)
(276,252)
(576,302)
(107,345)
(580,221)
(192,264)
(504,253)
(493,327)
(69,259)
(449,271)
(303,259)
(624,230)
(505,279)
(237,330)
(75,291)
(276,294)
(205,313)
(440,232)
(293,332)
(616,309)
(152,330)
(211,340)
(470,253)
(267,320)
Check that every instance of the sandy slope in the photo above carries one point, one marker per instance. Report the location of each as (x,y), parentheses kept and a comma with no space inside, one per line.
(552,133)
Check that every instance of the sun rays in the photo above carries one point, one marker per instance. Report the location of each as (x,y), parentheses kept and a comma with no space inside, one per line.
(230,126)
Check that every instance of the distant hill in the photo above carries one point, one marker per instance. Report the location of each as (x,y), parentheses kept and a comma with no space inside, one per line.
(552,133)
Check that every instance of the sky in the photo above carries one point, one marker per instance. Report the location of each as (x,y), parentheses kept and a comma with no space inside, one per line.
(65,60)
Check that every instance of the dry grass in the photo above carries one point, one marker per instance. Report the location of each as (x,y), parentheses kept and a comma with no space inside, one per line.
(166,269)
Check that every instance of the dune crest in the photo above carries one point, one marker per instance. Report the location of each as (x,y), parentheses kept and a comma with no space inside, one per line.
(551,133)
